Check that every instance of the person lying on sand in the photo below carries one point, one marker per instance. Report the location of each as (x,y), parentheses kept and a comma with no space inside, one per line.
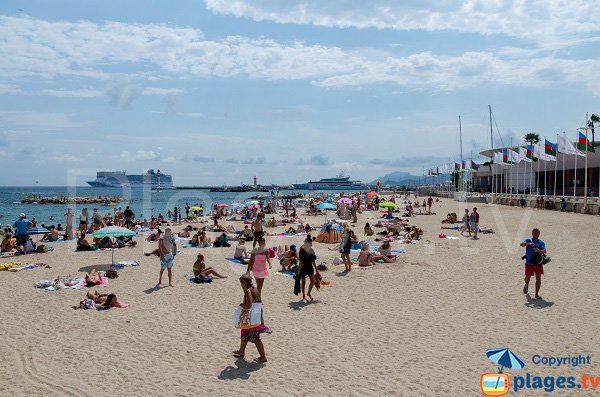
(93,278)
(200,268)
(103,300)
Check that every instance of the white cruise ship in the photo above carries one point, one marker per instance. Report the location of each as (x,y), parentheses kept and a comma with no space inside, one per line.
(121,179)
(340,182)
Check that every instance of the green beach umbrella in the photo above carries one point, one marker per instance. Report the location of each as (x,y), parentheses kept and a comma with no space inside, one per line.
(387,204)
(112,232)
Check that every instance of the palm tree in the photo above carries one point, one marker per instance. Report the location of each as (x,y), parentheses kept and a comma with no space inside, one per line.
(594,119)
(531,138)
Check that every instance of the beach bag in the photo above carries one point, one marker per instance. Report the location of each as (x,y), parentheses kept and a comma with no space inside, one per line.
(41,249)
(322,266)
(247,318)
(201,279)
(87,304)
(112,273)
(296,285)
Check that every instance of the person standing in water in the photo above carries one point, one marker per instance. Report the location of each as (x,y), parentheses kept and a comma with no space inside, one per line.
(166,251)
(69,228)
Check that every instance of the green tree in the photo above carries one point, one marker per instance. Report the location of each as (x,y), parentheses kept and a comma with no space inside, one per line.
(594,120)
(531,138)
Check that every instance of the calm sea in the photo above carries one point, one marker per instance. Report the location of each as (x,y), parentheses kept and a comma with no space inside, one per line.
(142,201)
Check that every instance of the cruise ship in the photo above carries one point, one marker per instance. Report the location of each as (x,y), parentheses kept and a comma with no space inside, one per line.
(340,182)
(121,179)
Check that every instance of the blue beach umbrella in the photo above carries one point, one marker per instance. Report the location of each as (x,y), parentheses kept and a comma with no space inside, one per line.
(505,358)
(38,230)
(326,206)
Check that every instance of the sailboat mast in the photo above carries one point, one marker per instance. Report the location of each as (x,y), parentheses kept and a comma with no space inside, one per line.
(491,128)
(460,134)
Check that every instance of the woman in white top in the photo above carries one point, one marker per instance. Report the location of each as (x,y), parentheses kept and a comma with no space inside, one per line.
(240,252)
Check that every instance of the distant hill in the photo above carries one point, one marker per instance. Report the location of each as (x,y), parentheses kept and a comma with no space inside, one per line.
(396,178)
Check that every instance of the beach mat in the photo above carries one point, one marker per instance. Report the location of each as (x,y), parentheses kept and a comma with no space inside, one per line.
(122,264)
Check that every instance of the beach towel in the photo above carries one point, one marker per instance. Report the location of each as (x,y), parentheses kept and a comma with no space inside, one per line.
(116,304)
(286,274)
(80,283)
(453,238)
(235,261)
(186,245)
(26,267)
(9,265)
(122,264)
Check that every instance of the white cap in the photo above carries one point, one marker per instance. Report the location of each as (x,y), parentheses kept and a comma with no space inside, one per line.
(22,215)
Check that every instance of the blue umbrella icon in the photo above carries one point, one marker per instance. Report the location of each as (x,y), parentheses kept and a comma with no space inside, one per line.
(505,358)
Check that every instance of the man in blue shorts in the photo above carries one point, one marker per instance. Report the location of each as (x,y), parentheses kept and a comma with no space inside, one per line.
(21,226)
(534,247)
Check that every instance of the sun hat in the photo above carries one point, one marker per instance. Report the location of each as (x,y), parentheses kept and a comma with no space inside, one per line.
(22,215)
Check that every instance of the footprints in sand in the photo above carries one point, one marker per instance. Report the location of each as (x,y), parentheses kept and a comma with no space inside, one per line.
(28,371)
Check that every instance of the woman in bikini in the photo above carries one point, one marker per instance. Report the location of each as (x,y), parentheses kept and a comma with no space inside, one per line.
(93,278)
(259,258)
(252,335)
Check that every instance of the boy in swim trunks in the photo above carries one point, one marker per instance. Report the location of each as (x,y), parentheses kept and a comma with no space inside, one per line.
(166,250)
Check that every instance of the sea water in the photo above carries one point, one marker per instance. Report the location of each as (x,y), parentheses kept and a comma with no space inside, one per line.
(144,202)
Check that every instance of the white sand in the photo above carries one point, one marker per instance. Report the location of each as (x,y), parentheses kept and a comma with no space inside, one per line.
(419,327)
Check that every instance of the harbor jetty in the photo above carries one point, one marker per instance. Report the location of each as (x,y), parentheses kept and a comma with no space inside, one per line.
(104,200)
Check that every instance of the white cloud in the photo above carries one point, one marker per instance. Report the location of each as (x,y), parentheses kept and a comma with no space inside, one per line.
(62,158)
(45,121)
(542,21)
(33,47)
(140,155)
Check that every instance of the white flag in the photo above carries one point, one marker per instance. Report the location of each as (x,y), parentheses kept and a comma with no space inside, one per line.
(523,155)
(513,156)
(498,158)
(565,146)
(539,151)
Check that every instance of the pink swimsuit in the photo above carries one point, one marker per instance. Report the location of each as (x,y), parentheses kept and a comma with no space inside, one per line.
(259,268)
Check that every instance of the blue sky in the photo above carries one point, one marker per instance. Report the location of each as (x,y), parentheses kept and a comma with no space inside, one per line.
(216,91)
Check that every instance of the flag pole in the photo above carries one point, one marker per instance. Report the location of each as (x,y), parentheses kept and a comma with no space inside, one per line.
(555,168)
(537,180)
(531,172)
(575,177)
(563,169)
(545,168)
(586,164)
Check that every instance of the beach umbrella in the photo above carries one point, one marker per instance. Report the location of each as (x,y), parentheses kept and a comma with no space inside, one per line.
(302,201)
(330,200)
(112,232)
(251,202)
(196,208)
(326,206)
(387,204)
(222,206)
(345,200)
(505,358)
(38,230)
(372,194)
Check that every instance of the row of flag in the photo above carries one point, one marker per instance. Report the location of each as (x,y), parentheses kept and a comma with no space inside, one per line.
(546,151)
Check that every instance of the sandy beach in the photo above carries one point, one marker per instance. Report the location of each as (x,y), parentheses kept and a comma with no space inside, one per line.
(418,327)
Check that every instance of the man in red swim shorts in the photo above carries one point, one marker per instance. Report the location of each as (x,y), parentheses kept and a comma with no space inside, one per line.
(534,247)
